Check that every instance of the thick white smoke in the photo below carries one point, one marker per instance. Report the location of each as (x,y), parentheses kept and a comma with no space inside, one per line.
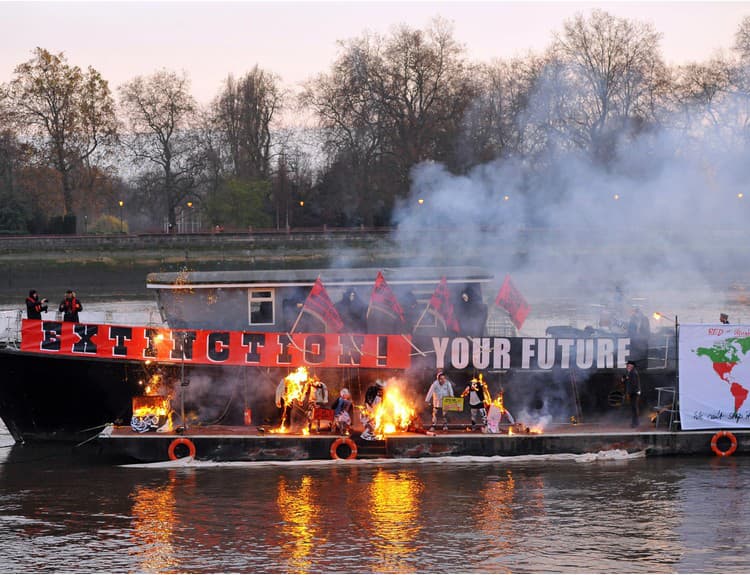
(664,223)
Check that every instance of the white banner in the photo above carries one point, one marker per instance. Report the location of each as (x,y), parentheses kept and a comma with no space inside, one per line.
(714,369)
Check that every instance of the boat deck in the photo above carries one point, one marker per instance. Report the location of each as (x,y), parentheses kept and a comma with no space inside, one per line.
(250,443)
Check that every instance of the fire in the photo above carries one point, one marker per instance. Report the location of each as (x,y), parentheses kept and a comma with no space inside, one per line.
(498,402)
(151,412)
(297,386)
(394,413)
(151,404)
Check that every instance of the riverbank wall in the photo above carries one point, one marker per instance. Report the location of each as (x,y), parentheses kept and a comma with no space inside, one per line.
(114,267)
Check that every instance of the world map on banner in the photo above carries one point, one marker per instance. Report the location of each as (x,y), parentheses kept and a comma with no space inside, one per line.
(714,376)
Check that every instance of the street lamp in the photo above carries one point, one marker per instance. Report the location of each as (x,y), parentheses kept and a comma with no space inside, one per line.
(190,216)
(121,226)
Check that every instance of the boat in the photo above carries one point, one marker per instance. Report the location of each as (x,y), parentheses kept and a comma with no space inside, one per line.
(202,381)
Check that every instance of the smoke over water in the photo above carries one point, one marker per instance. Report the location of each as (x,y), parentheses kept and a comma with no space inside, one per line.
(664,224)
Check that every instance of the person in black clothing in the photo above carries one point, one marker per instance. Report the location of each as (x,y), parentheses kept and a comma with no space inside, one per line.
(724,318)
(472,312)
(639,331)
(632,382)
(353,312)
(70,306)
(35,306)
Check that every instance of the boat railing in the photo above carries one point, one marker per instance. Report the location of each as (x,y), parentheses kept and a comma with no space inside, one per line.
(10,327)
(11,319)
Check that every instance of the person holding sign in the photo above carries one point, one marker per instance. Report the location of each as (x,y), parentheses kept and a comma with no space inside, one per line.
(439,389)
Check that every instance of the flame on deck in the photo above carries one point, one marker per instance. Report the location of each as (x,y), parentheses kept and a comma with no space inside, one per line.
(296,393)
(394,413)
(151,412)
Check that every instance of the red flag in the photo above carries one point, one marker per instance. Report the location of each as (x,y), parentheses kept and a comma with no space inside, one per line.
(442,305)
(383,299)
(511,300)
(319,305)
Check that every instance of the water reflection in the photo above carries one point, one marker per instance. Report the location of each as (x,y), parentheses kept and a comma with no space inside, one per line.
(154,520)
(655,515)
(394,512)
(299,511)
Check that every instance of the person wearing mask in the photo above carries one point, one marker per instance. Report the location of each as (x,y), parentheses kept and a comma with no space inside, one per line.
(343,410)
(439,389)
(70,306)
(478,397)
(35,306)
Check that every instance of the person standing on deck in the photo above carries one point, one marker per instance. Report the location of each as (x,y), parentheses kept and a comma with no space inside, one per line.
(70,306)
(343,411)
(476,390)
(35,306)
(439,389)
(632,381)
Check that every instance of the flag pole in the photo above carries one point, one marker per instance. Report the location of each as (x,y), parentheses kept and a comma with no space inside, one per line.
(414,347)
(296,321)
(416,325)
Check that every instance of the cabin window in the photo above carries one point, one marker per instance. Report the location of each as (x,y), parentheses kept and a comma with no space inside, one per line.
(261,307)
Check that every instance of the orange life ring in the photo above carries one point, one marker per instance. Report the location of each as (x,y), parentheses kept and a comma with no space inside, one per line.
(181,441)
(343,441)
(732,441)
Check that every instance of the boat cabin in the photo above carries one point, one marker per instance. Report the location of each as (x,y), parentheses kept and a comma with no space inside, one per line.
(272,300)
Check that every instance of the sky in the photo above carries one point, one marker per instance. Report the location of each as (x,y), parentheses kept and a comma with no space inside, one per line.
(298,40)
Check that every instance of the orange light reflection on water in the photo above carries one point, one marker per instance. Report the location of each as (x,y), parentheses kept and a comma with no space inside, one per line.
(394,509)
(499,509)
(299,513)
(154,521)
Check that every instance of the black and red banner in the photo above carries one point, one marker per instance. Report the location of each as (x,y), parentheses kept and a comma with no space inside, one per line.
(216,347)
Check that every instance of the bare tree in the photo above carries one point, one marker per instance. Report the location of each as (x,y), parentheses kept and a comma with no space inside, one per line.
(160,113)
(388,104)
(742,39)
(698,87)
(65,112)
(244,112)
(613,69)
(494,125)
(423,92)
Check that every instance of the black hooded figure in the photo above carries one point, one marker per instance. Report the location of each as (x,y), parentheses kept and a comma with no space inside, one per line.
(353,312)
(471,312)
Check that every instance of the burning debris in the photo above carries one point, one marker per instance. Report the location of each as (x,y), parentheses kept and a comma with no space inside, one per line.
(390,412)
(299,395)
(151,412)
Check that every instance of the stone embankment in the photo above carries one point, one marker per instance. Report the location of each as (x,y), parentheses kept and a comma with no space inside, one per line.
(115,266)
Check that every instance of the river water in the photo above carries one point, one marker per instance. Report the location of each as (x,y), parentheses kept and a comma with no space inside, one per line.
(579,514)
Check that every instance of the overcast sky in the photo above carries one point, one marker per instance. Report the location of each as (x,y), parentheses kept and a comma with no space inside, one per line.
(297,40)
